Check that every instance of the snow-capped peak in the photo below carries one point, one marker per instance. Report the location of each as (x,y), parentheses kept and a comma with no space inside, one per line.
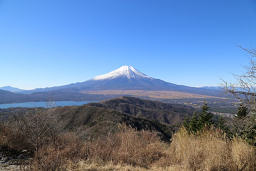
(124,71)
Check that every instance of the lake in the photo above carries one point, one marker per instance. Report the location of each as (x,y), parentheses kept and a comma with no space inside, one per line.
(44,104)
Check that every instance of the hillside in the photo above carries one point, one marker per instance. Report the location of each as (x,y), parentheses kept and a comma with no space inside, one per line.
(11,89)
(153,110)
(96,119)
(91,121)
(9,97)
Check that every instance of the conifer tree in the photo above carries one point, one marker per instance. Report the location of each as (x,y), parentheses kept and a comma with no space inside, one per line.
(205,117)
(199,121)
(242,111)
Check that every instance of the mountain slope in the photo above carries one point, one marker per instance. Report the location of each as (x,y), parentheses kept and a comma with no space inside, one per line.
(152,110)
(94,121)
(9,97)
(128,78)
(11,89)
(98,119)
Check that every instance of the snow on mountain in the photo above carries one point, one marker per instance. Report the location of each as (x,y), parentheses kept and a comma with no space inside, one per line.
(124,71)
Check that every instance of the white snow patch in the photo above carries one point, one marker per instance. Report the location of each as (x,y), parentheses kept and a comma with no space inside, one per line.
(123,71)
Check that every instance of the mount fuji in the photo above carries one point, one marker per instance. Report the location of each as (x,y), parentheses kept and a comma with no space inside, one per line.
(126,78)
(123,81)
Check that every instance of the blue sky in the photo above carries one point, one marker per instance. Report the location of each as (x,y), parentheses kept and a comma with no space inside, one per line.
(46,43)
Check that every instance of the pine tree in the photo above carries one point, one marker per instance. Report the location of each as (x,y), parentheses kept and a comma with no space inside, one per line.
(199,121)
(242,111)
(205,117)
(192,124)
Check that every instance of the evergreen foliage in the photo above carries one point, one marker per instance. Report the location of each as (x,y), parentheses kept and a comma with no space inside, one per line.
(204,119)
(242,111)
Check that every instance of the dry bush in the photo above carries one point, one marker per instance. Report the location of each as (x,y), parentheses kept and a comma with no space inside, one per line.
(210,150)
(55,156)
(127,146)
(83,165)
(29,132)
(48,158)
(243,155)
(13,138)
(198,152)
(4,133)
(139,148)
(39,129)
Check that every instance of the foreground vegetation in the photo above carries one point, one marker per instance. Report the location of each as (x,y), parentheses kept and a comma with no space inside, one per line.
(126,149)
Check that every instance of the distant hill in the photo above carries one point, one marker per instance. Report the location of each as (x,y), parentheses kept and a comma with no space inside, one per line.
(153,110)
(11,89)
(9,97)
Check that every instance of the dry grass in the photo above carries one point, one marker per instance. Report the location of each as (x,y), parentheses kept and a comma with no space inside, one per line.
(85,166)
(81,166)
(207,151)
(56,156)
(13,138)
(243,155)
(127,146)
(151,94)
(211,150)
(132,150)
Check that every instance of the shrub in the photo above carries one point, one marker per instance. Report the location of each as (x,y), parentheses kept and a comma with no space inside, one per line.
(55,156)
(246,129)
(199,121)
(127,146)
(211,150)
(242,111)
(208,149)
(243,155)
(13,138)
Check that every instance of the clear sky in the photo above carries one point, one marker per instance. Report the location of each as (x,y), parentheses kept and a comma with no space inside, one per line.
(190,42)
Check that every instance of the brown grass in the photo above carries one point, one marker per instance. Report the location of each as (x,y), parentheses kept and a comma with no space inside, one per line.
(129,149)
(211,150)
(243,155)
(151,94)
(13,138)
(83,165)
(55,156)
(207,151)
(127,146)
